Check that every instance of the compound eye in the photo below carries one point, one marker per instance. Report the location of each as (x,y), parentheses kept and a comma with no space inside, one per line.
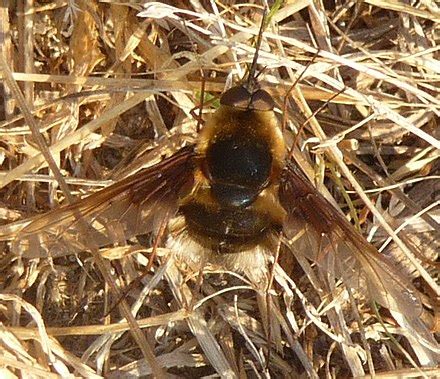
(237,97)
(261,101)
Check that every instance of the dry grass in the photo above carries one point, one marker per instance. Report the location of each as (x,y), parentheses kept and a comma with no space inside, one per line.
(102,86)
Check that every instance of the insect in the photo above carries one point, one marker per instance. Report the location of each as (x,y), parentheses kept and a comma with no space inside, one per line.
(230,199)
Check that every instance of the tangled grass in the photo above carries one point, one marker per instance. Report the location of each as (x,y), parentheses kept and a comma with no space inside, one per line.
(92,91)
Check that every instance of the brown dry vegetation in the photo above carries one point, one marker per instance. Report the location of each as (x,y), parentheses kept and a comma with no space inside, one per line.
(104,89)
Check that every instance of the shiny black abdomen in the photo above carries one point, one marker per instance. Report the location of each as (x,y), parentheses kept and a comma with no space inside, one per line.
(238,167)
(226,225)
(240,161)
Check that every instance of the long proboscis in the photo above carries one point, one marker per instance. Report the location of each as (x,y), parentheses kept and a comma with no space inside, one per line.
(250,83)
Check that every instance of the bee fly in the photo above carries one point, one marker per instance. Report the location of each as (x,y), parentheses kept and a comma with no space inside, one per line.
(233,215)
(229,199)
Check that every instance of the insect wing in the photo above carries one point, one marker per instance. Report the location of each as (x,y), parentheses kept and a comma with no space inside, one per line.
(315,228)
(135,205)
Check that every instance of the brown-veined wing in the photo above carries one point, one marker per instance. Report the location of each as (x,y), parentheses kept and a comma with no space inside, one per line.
(317,230)
(134,205)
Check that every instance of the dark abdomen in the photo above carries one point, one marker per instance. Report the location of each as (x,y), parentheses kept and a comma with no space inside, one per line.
(233,203)
(238,167)
(234,225)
